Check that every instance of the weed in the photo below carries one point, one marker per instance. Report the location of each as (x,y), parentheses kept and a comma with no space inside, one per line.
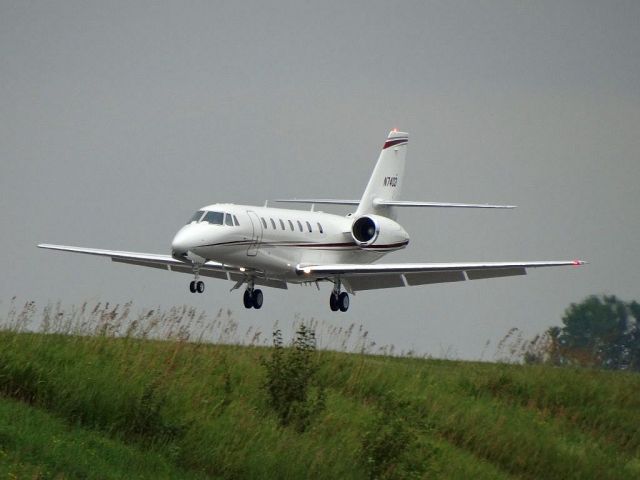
(387,443)
(290,384)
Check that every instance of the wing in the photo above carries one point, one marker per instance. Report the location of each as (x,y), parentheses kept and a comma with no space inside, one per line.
(167,262)
(389,275)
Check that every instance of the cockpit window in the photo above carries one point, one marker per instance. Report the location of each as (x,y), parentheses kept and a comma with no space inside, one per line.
(228,219)
(196,216)
(214,218)
(235,221)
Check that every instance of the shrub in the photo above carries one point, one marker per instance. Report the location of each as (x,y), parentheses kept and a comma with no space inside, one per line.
(291,382)
(389,444)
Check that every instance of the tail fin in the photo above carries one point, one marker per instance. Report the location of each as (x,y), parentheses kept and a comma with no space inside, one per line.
(386,180)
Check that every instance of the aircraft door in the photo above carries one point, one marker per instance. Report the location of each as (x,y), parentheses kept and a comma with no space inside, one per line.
(256,237)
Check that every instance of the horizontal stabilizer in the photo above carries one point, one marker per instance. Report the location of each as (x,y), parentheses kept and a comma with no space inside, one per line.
(329,201)
(394,203)
(401,203)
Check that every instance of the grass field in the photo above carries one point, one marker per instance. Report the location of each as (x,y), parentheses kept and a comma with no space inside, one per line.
(102,406)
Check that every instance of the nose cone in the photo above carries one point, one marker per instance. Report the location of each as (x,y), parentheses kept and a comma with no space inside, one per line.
(182,242)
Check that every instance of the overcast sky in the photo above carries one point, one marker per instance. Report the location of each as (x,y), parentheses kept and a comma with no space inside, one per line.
(118,120)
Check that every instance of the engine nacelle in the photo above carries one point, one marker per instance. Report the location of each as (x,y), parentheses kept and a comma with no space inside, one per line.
(372,230)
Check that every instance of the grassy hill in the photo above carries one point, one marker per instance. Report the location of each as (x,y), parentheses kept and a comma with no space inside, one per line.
(102,407)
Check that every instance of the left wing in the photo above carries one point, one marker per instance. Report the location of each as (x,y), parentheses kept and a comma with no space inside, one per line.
(167,262)
(388,275)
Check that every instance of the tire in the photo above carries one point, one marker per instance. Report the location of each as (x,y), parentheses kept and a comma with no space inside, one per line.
(192,286)
(333,302)
(343,301)
(248,301)
(258,298)
(200,287)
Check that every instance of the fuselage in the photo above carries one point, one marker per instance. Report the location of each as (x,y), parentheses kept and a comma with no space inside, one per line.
(274,240)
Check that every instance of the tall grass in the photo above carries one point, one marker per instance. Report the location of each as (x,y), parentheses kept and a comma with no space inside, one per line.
(153,381)
(179,323)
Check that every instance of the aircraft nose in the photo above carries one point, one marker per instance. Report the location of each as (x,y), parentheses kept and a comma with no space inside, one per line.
(181,243)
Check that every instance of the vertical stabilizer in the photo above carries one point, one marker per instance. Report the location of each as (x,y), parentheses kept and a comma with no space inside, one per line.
(387,177)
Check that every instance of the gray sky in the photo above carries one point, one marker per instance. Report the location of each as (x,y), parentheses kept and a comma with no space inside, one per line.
(117,121)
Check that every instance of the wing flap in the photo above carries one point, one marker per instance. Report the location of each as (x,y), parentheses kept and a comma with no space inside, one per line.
(266,282)
(427,278)
(373,282)
(495,272)
(162,266)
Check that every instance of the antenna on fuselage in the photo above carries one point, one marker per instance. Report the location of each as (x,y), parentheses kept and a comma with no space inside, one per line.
(266,203)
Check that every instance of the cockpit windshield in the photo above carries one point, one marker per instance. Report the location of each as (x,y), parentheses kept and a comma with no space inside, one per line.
(196,216)
(214,218)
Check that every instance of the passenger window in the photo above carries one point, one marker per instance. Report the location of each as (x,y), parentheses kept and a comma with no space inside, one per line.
(235,221)
(214,218)
(228,220)
(320,228)
(309,227)
(281,223)
(299,225)
(290,224)
(196,216)
(273,224)
(264,222)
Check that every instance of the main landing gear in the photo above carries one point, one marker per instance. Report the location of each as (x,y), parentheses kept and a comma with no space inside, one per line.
(338,300)
(253,298)
(196,286)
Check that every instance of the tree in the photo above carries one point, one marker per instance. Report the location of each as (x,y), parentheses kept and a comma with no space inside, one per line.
(600,331)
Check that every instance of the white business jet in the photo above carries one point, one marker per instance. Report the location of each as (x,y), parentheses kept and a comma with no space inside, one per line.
(273,247)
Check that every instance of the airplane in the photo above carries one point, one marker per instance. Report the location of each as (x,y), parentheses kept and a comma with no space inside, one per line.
(274,247)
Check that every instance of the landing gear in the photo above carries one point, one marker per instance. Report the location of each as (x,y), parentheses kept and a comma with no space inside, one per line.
(338,300)
(247,299)
(196,286)
(333,302)
(257,299)
(343,301)
(253,298)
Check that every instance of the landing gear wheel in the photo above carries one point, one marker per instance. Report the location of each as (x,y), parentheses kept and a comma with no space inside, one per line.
(343,301)
(200,286)
(192,286)
(257,299)
(333,302)
(247,299)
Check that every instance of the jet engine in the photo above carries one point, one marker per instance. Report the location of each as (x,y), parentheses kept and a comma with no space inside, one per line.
(376,230)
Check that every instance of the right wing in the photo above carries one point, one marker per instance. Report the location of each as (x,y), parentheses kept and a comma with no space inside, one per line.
(167,262)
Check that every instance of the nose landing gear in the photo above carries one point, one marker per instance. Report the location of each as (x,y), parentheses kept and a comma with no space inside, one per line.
(196,286)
